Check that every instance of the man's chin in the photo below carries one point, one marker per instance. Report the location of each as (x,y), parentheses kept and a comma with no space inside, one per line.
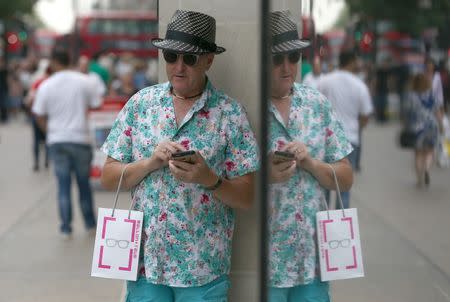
(179,83)
(286,84)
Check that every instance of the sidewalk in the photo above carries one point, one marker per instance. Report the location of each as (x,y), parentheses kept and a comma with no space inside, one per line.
(36,264)
(404,230)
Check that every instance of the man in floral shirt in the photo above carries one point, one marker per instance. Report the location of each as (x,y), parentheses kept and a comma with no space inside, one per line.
(188,217)
(303,124)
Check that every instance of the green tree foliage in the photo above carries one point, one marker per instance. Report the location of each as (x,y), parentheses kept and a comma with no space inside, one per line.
(411,16)
(10,8)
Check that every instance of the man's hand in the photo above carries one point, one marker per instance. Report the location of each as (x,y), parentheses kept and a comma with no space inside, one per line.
(302,156)
(198,172)
(163,152)
(281,172)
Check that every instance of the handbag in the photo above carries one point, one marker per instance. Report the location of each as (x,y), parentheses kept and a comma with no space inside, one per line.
(407,138)
(117,241)
(339,243)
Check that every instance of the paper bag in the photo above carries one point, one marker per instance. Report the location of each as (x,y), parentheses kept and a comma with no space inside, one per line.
(338,241)
(117,242)
(339,245)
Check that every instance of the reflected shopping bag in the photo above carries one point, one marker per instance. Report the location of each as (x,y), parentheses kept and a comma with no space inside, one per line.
(339,243)
(117,242)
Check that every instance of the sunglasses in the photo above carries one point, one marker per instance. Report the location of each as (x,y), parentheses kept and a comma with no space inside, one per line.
(188,59)
(293,57)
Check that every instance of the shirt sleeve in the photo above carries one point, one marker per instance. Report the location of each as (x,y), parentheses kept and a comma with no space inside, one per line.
(40,102)
(118,144)
(93,95)
(366,101)
(241,155)
(337,146)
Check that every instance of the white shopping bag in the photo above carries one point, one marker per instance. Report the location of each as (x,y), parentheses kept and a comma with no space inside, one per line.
(117,242)
(339,243)
(443,154)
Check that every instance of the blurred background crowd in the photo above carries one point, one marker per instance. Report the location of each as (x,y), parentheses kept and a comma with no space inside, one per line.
(107,38)
(112,38)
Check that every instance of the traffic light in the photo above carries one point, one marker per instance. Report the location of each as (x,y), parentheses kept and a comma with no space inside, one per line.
(23,36)
(14,44)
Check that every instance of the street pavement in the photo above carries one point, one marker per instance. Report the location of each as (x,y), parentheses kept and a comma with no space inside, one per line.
(404,231)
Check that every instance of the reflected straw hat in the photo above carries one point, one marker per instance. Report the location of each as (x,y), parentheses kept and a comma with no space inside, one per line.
(284,33)
(190,32)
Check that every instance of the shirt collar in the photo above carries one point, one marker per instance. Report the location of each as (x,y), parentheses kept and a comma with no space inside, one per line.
(202,103)
(296,102)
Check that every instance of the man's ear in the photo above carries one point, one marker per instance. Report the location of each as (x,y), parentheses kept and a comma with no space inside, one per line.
(210,59)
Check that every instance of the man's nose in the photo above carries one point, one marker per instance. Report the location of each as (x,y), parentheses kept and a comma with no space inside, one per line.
(179,64)
(286,63)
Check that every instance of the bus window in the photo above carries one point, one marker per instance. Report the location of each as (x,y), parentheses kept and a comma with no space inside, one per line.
(116,32)
(149,26)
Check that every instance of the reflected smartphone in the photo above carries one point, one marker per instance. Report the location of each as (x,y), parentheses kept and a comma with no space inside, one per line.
(186,156)
(282,156)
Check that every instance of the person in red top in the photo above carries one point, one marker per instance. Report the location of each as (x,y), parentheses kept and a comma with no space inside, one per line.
(38,134)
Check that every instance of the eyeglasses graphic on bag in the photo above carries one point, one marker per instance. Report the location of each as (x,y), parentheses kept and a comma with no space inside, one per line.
(293,57)
(123,244)
(334,244)
(188,59)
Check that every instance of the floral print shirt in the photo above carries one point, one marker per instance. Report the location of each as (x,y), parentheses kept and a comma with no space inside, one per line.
(187,232)
(293,204)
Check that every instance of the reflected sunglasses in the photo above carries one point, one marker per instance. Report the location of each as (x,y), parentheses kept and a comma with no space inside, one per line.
(293,57)
(188,59)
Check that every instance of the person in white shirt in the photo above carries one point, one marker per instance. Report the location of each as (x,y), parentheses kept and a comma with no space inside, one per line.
(351,100)
(312,78)
(61,107)
(436,82)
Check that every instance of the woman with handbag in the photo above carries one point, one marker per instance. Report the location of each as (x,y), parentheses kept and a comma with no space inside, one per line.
(425,119)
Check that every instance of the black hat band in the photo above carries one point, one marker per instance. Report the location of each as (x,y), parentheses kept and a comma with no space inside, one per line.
(190,39)
(285,37)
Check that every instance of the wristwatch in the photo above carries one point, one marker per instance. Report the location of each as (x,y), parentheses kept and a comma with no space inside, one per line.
(216,185)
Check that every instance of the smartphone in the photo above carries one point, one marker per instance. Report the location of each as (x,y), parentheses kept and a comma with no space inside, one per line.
(186,156)
(282,156)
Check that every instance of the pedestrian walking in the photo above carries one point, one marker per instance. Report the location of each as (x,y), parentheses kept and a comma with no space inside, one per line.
(381,91)
(305,127)
(15,92)
(38,135)
(61,108)
(444,72)
(188,206)
(3,91)
(424,119)
(351,100)
(436,82)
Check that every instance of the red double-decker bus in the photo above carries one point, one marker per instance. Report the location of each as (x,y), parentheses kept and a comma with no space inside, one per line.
(113,32)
